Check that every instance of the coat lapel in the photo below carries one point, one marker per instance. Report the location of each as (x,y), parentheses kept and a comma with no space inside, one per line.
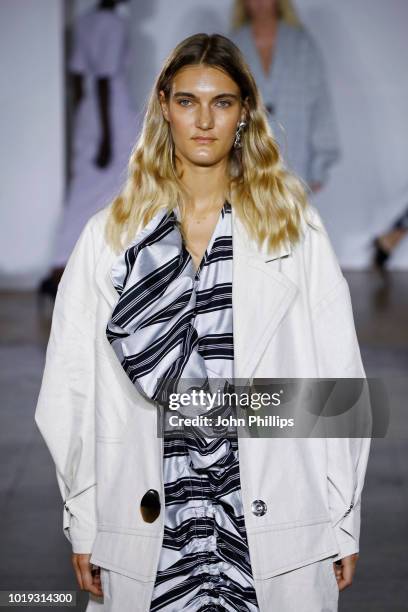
(261,296)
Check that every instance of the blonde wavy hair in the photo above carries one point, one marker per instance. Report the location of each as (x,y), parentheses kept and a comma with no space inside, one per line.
(284,8)
(268,199)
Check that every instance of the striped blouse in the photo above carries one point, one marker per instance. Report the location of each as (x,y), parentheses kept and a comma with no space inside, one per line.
(175,322)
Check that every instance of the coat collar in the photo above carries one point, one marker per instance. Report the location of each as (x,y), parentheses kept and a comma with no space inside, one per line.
(261,295)
(243,244)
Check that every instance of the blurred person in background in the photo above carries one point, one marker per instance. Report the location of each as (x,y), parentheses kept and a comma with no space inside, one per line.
(385,244)
(104,125)
(290,74)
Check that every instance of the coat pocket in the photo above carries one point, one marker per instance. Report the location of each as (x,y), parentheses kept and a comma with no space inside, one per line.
(331,574)
(281,548)
(105,583)
(127,552)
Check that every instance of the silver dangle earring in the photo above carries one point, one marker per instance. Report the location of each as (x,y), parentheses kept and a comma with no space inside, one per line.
(237,141)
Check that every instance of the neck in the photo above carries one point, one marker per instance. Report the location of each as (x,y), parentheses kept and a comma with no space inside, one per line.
(264,23)
(206,186)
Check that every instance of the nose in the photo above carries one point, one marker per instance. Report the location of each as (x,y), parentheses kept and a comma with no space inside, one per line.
(205,119)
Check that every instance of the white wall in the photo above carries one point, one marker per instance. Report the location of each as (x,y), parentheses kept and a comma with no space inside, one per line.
(31,145)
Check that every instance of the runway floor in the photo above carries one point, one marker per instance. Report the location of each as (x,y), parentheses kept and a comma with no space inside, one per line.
(35,555)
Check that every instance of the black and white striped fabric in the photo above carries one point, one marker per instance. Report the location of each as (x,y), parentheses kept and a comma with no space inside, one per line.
(172,321)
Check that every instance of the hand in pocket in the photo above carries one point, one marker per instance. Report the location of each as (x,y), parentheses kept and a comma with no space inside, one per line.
(88,575)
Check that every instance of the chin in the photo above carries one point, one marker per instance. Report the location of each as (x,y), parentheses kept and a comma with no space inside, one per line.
(204,160)
(205,163)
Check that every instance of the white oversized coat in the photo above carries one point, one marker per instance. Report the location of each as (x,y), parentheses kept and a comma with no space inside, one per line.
(292,318)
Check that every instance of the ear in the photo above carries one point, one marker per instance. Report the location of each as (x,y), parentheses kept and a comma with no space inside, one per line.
(164,106)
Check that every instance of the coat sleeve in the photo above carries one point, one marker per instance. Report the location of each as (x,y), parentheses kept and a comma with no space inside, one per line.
(65,407)
(338,356)
(324,145)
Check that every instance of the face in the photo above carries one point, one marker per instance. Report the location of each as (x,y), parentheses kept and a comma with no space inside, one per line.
(260,8)
(203,109)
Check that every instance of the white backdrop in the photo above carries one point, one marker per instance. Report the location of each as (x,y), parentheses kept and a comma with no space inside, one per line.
(31,143)
(365,46)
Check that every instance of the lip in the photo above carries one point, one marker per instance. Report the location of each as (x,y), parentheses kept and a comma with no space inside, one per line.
(204,139)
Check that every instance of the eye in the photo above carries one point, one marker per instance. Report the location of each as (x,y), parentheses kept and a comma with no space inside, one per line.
(184,101)
(224,103)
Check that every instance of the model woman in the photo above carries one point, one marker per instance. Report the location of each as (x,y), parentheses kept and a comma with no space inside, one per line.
(205,267)
(290,74)
(104,125)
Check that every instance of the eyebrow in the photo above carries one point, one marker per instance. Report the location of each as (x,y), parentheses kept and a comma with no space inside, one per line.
(187,94)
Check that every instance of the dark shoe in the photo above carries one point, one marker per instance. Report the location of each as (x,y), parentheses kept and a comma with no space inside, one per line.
(48,287)
(380,255)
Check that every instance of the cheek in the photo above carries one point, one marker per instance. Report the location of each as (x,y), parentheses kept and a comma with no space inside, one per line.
(226,126)
(181,124)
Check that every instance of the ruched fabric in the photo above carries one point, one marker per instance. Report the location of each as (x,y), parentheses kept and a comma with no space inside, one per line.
(175,322)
